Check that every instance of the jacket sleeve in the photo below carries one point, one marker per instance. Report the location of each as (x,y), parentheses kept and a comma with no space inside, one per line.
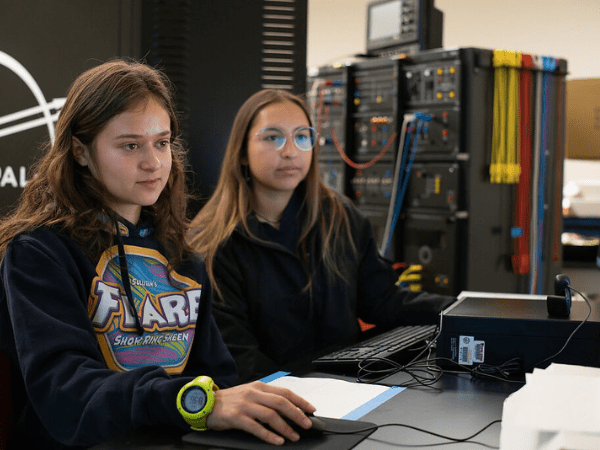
(210,355)
(76,397)
(232,314)
(381,302)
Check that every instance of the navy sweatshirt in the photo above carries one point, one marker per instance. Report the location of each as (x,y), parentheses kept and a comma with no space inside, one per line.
(268,319)
(81,373)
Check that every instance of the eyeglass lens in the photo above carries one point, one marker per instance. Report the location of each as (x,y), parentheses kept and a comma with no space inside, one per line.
(304,137)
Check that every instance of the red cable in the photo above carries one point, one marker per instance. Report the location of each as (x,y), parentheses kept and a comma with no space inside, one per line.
(348,160)
(521,257)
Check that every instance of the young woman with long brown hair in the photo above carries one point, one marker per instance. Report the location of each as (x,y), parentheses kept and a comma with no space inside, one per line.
(105,311)
(294,264)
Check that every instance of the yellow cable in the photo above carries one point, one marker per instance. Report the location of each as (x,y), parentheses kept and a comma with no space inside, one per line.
(504,167)
(409,275)
(499,117)
(511,171)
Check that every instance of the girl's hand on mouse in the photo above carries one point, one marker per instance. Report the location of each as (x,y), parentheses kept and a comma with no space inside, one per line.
(245,407)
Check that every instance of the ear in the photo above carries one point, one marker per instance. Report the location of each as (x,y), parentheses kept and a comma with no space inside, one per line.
(80,152)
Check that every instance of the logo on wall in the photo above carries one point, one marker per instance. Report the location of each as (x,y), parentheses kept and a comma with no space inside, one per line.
(45,114)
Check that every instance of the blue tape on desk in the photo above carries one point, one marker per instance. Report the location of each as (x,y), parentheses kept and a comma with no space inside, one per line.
(274,376)
(374,403)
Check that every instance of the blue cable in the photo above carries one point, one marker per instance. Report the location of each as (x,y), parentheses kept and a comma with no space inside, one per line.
(542,161)
(404,171)
(548,65)
(408,168)
(396,208)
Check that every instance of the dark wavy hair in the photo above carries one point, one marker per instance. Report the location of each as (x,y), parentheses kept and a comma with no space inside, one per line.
(61,193)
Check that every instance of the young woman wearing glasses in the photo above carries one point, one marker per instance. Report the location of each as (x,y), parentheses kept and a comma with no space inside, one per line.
(294,264)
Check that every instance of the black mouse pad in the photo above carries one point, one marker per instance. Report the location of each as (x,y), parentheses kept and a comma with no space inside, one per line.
(309,440)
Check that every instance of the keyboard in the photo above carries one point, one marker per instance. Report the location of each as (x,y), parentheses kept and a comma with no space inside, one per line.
(393,344)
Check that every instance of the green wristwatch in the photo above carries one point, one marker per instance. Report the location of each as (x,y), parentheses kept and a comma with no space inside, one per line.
(195,401)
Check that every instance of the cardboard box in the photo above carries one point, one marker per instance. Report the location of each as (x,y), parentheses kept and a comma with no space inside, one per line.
(582,140)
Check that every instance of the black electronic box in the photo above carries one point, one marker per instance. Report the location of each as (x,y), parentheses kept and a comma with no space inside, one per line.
(493,330)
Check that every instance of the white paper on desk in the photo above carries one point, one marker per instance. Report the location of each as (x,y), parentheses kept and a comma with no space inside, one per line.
(338,399)
(556,408)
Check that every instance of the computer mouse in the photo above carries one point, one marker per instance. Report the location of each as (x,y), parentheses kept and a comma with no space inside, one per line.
(318,424)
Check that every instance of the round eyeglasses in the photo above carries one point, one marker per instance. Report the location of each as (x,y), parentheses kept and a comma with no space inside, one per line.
(304,137)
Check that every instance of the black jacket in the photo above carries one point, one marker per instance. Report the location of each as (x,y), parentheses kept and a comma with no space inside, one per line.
(81,374)
(268,319)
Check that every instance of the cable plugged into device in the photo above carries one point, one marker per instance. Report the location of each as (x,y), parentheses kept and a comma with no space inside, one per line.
(559,304)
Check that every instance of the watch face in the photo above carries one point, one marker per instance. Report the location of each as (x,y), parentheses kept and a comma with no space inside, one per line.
(193,399)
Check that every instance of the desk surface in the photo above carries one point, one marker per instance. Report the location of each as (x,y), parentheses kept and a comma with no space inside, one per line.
(458,407)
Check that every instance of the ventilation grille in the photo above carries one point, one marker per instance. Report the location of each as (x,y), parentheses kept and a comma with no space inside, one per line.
(279,37)
(170,49)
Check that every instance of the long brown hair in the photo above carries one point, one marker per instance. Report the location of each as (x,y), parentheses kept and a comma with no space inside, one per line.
(232,200)
(64,194)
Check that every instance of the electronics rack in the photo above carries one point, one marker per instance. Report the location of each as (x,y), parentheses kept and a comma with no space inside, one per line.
(329,104)
(454,222)
(456,88)
(375,128)
(355,109)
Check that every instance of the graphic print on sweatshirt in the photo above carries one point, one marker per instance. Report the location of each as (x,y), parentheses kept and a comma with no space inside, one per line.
(167,311)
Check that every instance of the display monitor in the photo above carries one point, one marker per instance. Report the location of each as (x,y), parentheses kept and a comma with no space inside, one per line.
(403,25)
(384,21)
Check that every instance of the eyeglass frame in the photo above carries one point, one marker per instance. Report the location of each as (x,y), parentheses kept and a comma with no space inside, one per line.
(314,134)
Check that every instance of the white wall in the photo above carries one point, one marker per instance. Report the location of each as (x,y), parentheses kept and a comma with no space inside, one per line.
(568,29)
